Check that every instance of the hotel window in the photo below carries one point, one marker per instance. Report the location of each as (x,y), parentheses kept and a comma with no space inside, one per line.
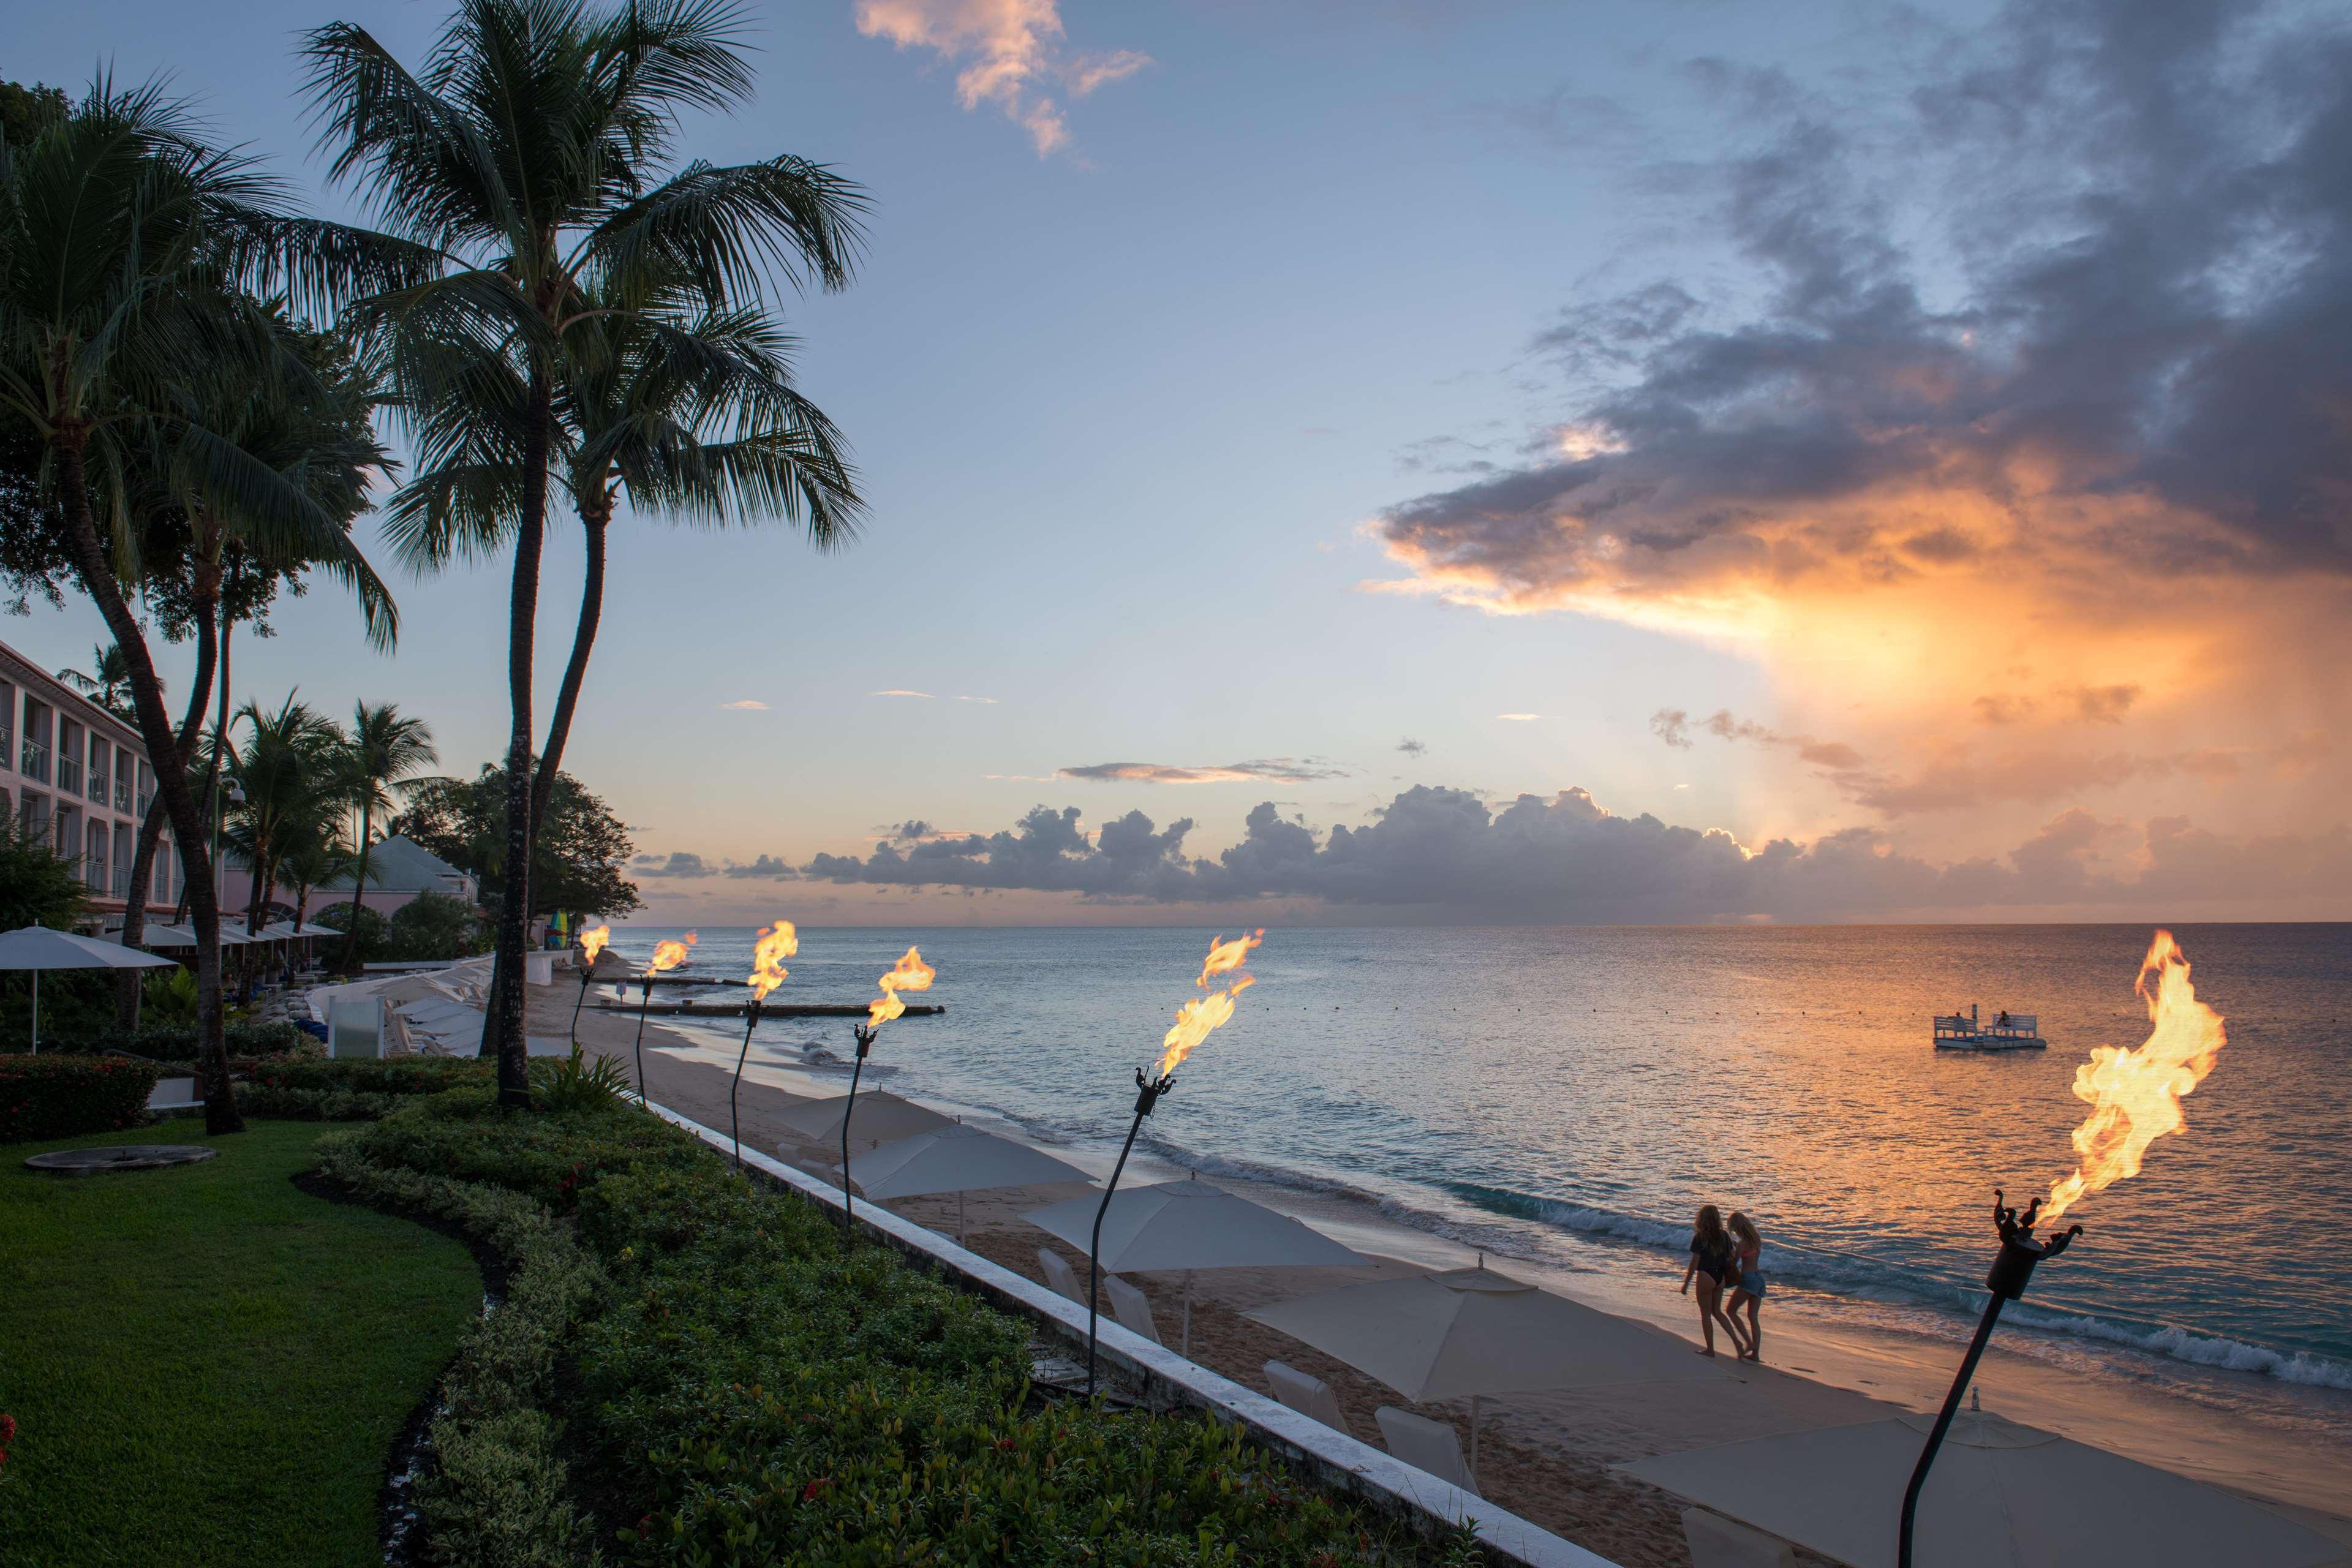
(163,889)
(122,848)
(101,750)
(7,726)
(146,786)
(94,858)
(33,755)
(35,815)
(124,764)
(67,837)
(69,757)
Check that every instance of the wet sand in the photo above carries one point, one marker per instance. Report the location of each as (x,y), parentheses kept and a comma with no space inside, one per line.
(1546,1458)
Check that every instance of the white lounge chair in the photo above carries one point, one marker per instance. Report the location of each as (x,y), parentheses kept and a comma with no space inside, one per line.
(1059,1275)
(1718,1543)
(1128,1304)
(175,1094)
(1425,1445)
(1307,1396)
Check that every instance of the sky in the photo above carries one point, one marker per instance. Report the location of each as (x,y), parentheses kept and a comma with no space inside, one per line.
(1397,461)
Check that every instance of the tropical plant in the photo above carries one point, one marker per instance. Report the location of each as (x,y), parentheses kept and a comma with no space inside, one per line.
(576,864)
(310,860)
(382,750)
(38,887)
(580,1082)
(132,257)
(434,926)
(528,154)
(286,769)
(107,683)
(373,932)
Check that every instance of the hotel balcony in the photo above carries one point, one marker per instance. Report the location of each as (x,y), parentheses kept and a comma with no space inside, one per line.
(69,776)
(35,762)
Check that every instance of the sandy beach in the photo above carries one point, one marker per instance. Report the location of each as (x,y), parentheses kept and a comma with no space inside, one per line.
(1547,1457)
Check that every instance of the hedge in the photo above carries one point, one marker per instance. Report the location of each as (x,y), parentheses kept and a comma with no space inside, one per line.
(62,1096)
(177,1043)
(715,1378)
(302,1089)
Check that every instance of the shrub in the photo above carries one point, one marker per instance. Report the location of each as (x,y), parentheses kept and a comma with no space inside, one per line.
(742,1388)
(177,1042)
(376,931)
(580,1082)
(168,999)
(434,925)
(313,1089)
(66,1096)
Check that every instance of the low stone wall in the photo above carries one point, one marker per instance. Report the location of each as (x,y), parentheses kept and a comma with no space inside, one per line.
(1165,1379)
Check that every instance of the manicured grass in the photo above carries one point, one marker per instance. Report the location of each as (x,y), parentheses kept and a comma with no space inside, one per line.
(206,1364)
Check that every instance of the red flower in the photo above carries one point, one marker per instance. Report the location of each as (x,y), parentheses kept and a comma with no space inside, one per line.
(809,1492)
(7,1429)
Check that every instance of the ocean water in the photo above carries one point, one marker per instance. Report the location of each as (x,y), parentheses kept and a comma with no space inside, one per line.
(1571,1094)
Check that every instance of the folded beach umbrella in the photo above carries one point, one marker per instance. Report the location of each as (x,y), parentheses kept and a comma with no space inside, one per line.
(881,1118)
(1471,1332)
(955,1159)
(2002,1495)
(1191,1225)
(185,936)
(37,947)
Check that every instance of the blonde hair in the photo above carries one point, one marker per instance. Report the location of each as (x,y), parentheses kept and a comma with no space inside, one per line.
(1745,1228)
(1710,1228)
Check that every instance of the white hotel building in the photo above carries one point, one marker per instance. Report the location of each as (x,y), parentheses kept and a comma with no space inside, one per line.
(78,776)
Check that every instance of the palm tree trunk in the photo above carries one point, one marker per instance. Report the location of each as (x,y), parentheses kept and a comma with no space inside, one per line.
(211,769)
(594,518)
(98,581)
(359,887)
(503,1031)
(151,826)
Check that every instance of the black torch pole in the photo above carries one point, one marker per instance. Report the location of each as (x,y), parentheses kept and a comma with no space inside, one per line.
(733,1125)
(586,975)
(1147,1095)
(646,981)
(865,1034)
(2010,1270)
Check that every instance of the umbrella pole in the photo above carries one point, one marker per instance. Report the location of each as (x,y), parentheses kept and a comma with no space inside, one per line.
(864,1037)
(37,1012)
(960,1238)
(1188,1312)
(1148,1093)
(734,1123)
(1474,1442)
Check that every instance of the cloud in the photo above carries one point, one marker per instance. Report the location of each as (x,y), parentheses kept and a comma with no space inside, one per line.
(1279,770)
(747,705)
(1413,747)
(1673,726)
(1520,718)
(676,864)
(988,702)
(765,865)
(1018,61)
(900,691)
(1565,858)
(2041,356)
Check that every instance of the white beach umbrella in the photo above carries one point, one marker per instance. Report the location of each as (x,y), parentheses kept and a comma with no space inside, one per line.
(880,1118)
(2002,1495)
(955,1159)
(37,947)
(1187,1225)
(1471,1332)
(185,936)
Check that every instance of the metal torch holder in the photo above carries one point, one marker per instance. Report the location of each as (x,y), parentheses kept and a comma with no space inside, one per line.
(1147,1091)
(2012,1268)
(587,976)
(865,1034)
(644,1001)
(734,1124)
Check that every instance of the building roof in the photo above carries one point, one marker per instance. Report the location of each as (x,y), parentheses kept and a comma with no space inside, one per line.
(398,865)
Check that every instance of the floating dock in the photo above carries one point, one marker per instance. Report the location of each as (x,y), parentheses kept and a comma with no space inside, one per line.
(770,1010)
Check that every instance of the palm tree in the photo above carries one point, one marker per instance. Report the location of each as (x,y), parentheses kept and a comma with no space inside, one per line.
(309,861)
(130,255)
(289,771)
(381,750)
(527,154)
(108,681)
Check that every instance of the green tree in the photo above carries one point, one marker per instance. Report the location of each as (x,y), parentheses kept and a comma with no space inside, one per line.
(432,926)
(382,750)
(107,683)
(133,258)
(38,887)
(580,851)
(530,154)
(289,769)
(310,860)
(374,932)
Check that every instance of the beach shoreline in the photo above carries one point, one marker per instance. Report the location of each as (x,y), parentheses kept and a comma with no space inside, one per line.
(1553,1453)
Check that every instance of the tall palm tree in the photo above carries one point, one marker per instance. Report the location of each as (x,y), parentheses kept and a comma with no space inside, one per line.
(529,153)
(381,752)
(107,683)
(311,860)
(130,255)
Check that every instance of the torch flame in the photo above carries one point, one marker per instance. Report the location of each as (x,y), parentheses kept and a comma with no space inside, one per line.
(669,954)
(777,942)
(1196,1018)
(910,973)
(592,940)
(2134,1096)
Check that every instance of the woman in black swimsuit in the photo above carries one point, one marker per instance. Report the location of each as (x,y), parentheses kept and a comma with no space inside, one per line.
(1710,1262)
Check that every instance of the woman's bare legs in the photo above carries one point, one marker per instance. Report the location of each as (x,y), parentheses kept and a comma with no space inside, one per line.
(1754,1349)
(1710,1313)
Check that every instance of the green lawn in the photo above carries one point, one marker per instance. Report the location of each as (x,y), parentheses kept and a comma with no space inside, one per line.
(206,1364)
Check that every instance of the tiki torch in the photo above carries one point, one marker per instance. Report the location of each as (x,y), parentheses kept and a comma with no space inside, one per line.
(910,973)
(1195,1020)
(591,943)
(2011,1268)
(667,954)
(777,942)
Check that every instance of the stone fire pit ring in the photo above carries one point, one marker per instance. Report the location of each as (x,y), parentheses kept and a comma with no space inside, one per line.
(118,1157)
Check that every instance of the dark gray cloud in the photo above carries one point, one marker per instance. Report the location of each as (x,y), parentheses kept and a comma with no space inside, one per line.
(764,866)
(678,864)
(1565,858)
(1673,726)
(1413,747)
(1273,769)
(2133,339)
